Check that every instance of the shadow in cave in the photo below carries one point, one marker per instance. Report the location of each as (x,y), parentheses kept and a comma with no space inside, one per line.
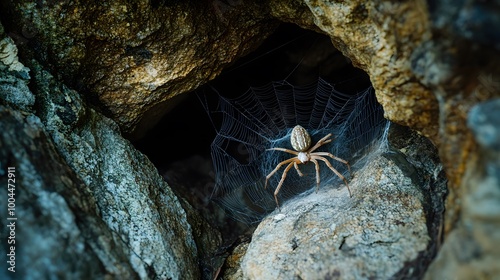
(291,53)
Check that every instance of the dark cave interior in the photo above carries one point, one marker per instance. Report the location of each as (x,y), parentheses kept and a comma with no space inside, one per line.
(291,53)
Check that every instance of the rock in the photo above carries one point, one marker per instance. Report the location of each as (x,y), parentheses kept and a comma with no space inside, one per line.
(134,56)
(328,234)
(58,230)
(424,83)
(14,76)
(233,262)
(15,92)
(484,122)
(8,57)
(133,199)
(379,37)
(389,228)
(472,249)
(207,239)
(186,178)
(99,206)
(295,12)
(430,63)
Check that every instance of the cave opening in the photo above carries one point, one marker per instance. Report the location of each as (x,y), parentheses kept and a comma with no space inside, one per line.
(293,54)
(179,145)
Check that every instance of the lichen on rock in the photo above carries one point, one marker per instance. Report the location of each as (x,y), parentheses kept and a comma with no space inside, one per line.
(14,76)
(474,236)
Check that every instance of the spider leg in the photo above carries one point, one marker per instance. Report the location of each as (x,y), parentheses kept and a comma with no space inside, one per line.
(277,168)
(280,184)
(335,158)
(316,164)
(297,168)
(321,142)
(284,150)
(315,156)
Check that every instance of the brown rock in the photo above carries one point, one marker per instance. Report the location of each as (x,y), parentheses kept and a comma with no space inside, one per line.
(131,57)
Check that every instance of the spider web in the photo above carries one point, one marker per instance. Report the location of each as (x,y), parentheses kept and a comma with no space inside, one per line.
(263,118)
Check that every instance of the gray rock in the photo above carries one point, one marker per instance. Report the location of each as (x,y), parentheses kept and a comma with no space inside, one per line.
(89,205)
(14,91)
(58,232)
(484,121)
(9,59)
(389,228)
(134,201)
(14,77)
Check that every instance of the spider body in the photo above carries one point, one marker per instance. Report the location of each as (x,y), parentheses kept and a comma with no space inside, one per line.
(301,141)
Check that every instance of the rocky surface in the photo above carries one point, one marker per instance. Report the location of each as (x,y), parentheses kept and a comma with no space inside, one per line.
(430,64)
(388,228)
(130,61)
(380,37)
(425,83)
(472,249)
(100,207)
(58,230)
(14,86)
(329,234)
(134,56)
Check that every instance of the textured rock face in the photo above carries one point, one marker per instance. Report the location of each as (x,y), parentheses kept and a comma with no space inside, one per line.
(89,204)
(430,63)
(476,237)
(330,234)
(369,34)
(425,83)
(52,204)
(387,229)
(132,56)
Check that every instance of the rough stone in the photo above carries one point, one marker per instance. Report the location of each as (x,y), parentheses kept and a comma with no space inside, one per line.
(9,59)
(472,249)
(232,265)
(379,37)
(389,228)
(134,56)
(82,184)
(484,122)
(14,76)
(329,234)
(424,83)
(295,12)
(430,63)
(134,201)
(58,230)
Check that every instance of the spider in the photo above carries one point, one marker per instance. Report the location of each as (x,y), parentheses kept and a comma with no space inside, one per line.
(301,141)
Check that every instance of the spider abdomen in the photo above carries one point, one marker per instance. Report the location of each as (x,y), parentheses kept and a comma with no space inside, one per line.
(300,139)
